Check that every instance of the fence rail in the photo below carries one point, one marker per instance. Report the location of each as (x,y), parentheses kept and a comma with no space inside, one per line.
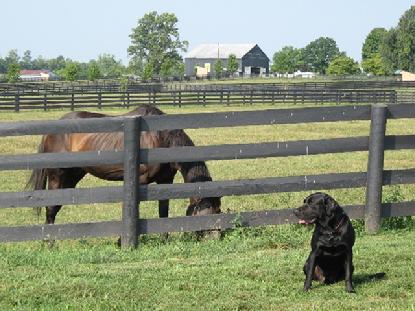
(116,86)
(131,225)
(203,97)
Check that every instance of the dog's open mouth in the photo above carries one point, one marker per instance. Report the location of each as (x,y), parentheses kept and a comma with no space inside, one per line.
(306,221)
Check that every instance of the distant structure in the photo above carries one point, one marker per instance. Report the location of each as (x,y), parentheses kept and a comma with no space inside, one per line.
(405,75)
(37,75)
(201,60)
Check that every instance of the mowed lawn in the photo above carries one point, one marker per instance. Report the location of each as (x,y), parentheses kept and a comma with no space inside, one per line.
(250,269)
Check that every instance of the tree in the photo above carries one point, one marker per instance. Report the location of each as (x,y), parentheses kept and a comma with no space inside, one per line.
(405,40)
(218,69)
(398,48)
(319,53)
(373,42)
(388,51)
(155,39)
(343,65)
(166,69)
(109,66)
(3,66)
(70,72)
(93,71)
(287,60)
(148,72)
(232,64)
(375,65)
(12,57)
(13,73)
(26,62)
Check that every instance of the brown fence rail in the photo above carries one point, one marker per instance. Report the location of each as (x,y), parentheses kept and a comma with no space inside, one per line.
(128,228)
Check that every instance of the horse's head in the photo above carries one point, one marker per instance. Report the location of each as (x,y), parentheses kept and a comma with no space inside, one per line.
(203,206)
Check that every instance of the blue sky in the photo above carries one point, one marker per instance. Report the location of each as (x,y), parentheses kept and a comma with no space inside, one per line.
(81,30)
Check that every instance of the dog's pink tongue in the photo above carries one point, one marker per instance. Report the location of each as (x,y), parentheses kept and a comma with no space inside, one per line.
(302,222)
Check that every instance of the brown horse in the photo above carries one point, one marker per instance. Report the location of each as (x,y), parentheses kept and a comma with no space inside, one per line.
(58,178)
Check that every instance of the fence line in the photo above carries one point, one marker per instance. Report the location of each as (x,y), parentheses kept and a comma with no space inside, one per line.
(116,86)
(212,96)
(130,227)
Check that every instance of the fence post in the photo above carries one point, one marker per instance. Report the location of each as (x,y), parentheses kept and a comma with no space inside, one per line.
(17,102)
(129,237)
(72,101)
(99,101)
(45,102)
(374,181)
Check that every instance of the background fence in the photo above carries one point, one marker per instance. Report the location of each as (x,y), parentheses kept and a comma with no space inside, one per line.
(130,226)
(208,96)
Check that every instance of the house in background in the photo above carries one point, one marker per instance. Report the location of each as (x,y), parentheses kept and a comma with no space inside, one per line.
(37,75)
(405,75)
(201,60)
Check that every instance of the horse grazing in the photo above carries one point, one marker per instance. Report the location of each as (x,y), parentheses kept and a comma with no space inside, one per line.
(163,173)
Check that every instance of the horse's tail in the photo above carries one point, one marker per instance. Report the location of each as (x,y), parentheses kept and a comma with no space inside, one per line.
(38,178)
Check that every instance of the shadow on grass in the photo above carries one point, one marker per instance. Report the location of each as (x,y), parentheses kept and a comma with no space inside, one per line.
(367,278)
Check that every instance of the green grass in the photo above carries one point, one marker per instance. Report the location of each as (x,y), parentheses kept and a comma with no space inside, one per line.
(248,269)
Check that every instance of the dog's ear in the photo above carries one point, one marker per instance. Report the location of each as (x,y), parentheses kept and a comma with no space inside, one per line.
(330,204)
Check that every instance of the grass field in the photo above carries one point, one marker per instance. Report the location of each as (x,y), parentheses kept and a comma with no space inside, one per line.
(248,269)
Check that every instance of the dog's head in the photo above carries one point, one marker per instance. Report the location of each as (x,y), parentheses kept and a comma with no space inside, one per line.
(318,207)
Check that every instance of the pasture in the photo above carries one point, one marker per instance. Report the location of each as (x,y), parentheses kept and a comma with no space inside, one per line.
(248,269)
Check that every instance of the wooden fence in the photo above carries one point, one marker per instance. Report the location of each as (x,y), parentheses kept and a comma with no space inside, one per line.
(131,193)
(115,86)
(220,95)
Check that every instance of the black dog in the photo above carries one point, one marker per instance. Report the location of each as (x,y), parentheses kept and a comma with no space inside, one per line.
(331,256)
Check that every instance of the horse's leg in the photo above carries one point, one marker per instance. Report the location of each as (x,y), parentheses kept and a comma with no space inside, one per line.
(164,204)
(59,179)
(167,178)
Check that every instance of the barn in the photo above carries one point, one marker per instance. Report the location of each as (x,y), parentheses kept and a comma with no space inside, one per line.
(251,59)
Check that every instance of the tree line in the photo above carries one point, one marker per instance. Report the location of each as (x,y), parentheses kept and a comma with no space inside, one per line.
(156,49)
(383,52)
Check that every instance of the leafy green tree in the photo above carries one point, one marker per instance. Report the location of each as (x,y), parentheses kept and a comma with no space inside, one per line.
(319,53)
(155,39)
(232,64)
(109,66)
(373,42)
(148,72)
(287,60)
(3,66)
(388,51)
(343,65)
(40,63)
(26,62)
(70,72)
(179,70)
(12,58)
(405,40)
(398,48)
(13,73)
(57,63)
(166,69)
(93,71)
(218,69)
(375,65)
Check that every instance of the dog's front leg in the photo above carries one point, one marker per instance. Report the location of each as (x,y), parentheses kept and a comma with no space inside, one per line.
(348,268)
(311,264)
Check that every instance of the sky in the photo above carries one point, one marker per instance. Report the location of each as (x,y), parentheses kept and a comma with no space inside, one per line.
(81,30)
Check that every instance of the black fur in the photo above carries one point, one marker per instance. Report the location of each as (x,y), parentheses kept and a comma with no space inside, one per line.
(331,256)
